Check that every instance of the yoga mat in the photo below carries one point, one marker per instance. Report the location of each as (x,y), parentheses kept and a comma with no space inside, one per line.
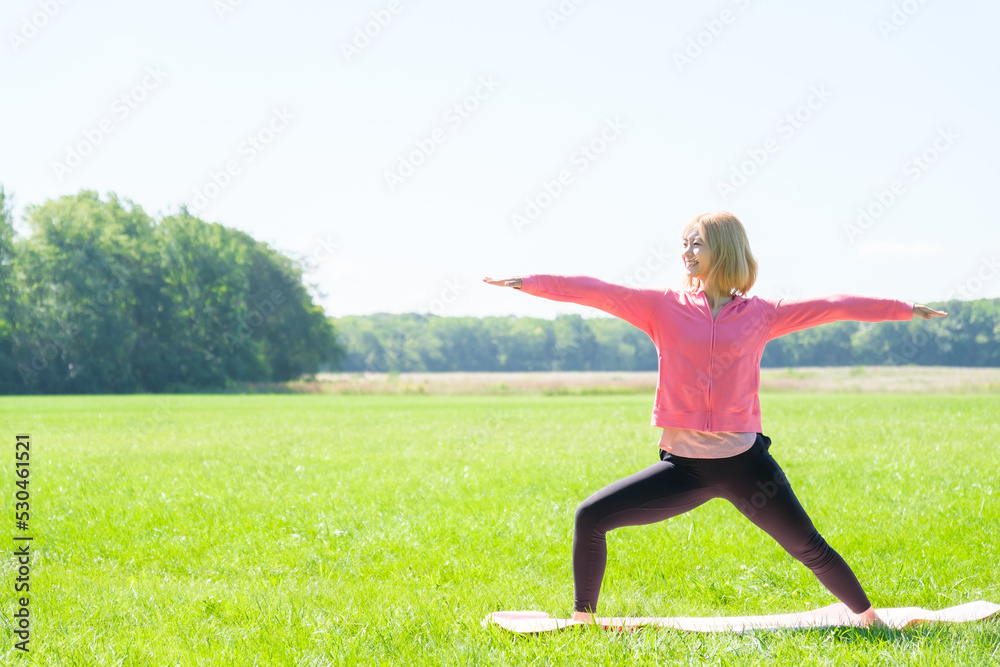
(836,615)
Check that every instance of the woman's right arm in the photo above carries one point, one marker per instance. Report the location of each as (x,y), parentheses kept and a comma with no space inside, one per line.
(632,304)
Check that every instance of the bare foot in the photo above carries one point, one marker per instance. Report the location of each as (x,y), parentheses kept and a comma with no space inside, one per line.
(582,617)
(870,619)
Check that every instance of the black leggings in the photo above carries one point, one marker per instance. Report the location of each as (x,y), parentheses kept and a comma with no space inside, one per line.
(752,481)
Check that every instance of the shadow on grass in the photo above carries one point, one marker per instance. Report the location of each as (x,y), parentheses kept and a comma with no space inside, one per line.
(919,632)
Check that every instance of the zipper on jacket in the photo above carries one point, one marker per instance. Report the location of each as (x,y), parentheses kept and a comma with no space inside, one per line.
(711,358)
(711,368)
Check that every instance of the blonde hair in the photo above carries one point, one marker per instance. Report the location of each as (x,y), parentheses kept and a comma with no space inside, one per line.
(733,267)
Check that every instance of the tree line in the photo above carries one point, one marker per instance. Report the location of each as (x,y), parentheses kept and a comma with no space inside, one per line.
(101,298)
(389,343)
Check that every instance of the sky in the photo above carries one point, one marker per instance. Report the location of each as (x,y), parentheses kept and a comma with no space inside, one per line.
(407,148)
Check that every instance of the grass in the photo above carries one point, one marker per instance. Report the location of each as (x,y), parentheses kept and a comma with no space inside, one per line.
(380,530)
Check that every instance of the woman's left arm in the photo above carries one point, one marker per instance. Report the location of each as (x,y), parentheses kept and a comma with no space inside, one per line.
(786,316)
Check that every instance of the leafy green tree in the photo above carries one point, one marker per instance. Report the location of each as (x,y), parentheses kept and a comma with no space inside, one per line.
(205,292)
(575,345)
(295,336)
(83,266)
(529,345)
(465,342)
(9,381)
(237,309)
(111,301)
(620,346)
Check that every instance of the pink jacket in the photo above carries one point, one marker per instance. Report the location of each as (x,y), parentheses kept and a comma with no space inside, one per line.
(709,369)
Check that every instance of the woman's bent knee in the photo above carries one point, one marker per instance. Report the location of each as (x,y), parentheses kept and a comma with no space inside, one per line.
(587,513)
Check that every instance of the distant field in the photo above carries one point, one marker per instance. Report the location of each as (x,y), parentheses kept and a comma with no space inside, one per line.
(859,379)
(380,530)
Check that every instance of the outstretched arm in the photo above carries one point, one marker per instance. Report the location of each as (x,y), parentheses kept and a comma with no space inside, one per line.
(633,304)
(786,316)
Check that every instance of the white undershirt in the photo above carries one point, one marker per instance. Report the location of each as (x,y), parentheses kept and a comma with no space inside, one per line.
(704,444)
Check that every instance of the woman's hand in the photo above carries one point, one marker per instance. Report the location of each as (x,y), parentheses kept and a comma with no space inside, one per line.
(925,312)
(504,282)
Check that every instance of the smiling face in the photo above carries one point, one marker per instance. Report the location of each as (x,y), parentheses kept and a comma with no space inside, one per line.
(697,257)
(717,255)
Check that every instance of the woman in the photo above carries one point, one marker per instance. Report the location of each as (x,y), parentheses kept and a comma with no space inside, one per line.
(709,340)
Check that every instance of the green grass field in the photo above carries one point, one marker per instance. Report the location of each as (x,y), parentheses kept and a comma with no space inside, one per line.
(319,530)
